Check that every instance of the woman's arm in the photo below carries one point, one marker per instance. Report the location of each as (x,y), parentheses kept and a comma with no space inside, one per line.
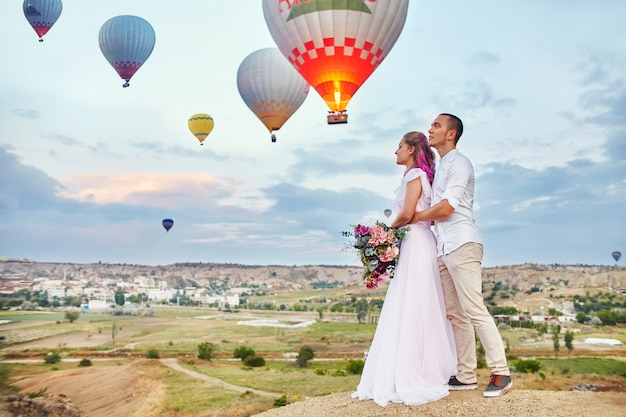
(413,193)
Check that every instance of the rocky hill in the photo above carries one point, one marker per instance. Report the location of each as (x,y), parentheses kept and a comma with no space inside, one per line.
(518,277)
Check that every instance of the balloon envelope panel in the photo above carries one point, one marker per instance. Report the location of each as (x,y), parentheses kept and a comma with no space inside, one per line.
(42,14)
(200,125)
(271,87)
(126,42)
(335,45)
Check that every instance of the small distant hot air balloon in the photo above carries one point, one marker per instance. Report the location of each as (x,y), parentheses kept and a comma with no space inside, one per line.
(616,255)
(167,224)
(42,14)
(387,213)
(271,87)
(335,45)
(126,42)
(200,124)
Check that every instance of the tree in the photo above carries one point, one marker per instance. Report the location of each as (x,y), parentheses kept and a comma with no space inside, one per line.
(52,358)
(569,340)
(304,356)
(71,316)
(337,308)
(119,296)
(555,330)
(254,361)
(362,307)
(205,351)
(242,352)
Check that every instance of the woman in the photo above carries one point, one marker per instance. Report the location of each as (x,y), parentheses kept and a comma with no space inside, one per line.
(412,355)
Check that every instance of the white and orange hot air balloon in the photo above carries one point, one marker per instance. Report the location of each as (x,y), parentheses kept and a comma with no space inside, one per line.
(335,45)
(271,87)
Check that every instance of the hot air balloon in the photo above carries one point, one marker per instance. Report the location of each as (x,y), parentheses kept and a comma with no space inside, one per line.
(167,224)
(387,213)
(616,255)
(126,42)
(271,87)
(200,124)
(335,45)
(42,14)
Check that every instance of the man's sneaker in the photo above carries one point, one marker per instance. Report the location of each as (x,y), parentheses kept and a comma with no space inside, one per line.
(456,385)
(498,385)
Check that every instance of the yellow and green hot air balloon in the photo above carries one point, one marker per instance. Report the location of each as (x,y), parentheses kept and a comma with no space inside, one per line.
(200,124)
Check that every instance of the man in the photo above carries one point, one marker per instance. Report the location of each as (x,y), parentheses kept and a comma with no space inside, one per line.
(460,252)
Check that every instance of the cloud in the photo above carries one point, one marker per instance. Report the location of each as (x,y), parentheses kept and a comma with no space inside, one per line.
(27,113)
(173,190)
(483,60)
(24,187)
(559,214)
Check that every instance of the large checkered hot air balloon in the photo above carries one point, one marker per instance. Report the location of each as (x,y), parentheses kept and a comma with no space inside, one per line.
(271,87)
(335,44)
(42,14)
(126,42)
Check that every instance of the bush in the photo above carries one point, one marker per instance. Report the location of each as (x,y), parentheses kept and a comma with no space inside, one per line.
(52,358)
(242,352)
(71,316)
(304,356)
(205,351)
(355,367)
(153,354)
(41,393)
(526,366)
(254,361)
(281,402)
(84,362)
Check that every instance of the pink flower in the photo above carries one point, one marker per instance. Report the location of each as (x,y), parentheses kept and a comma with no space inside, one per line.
(378,236)
(390,254)
(361,230)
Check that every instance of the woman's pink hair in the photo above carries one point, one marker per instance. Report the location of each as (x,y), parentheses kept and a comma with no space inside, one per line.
(424,156)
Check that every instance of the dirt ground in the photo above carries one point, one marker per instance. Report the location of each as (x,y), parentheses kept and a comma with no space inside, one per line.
(133,391)
(112,391)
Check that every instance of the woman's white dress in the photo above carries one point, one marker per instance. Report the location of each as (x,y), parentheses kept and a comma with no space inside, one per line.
(412,355)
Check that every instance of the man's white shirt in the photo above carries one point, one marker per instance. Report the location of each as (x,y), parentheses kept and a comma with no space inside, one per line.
(454,181)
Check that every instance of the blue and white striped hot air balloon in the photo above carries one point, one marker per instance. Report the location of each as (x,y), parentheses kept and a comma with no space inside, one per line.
(42,14)
(126,42)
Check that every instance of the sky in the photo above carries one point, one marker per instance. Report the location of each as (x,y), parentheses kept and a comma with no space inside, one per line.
(89,169)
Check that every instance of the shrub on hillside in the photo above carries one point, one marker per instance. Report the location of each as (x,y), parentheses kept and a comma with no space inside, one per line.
(153,354)
(84,362)
(355,367)
(526,366)
(304,356)
(205,351)
(254,360)
(242,352)
(52,358)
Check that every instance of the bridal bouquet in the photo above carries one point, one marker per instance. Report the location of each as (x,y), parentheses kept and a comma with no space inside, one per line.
(378,246)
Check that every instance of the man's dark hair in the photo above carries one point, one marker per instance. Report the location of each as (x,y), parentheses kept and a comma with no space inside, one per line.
(455,124)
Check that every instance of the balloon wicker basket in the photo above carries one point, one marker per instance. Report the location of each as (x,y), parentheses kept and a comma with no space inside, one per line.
(337,117)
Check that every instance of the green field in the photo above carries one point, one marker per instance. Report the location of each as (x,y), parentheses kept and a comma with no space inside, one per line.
(176,332)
